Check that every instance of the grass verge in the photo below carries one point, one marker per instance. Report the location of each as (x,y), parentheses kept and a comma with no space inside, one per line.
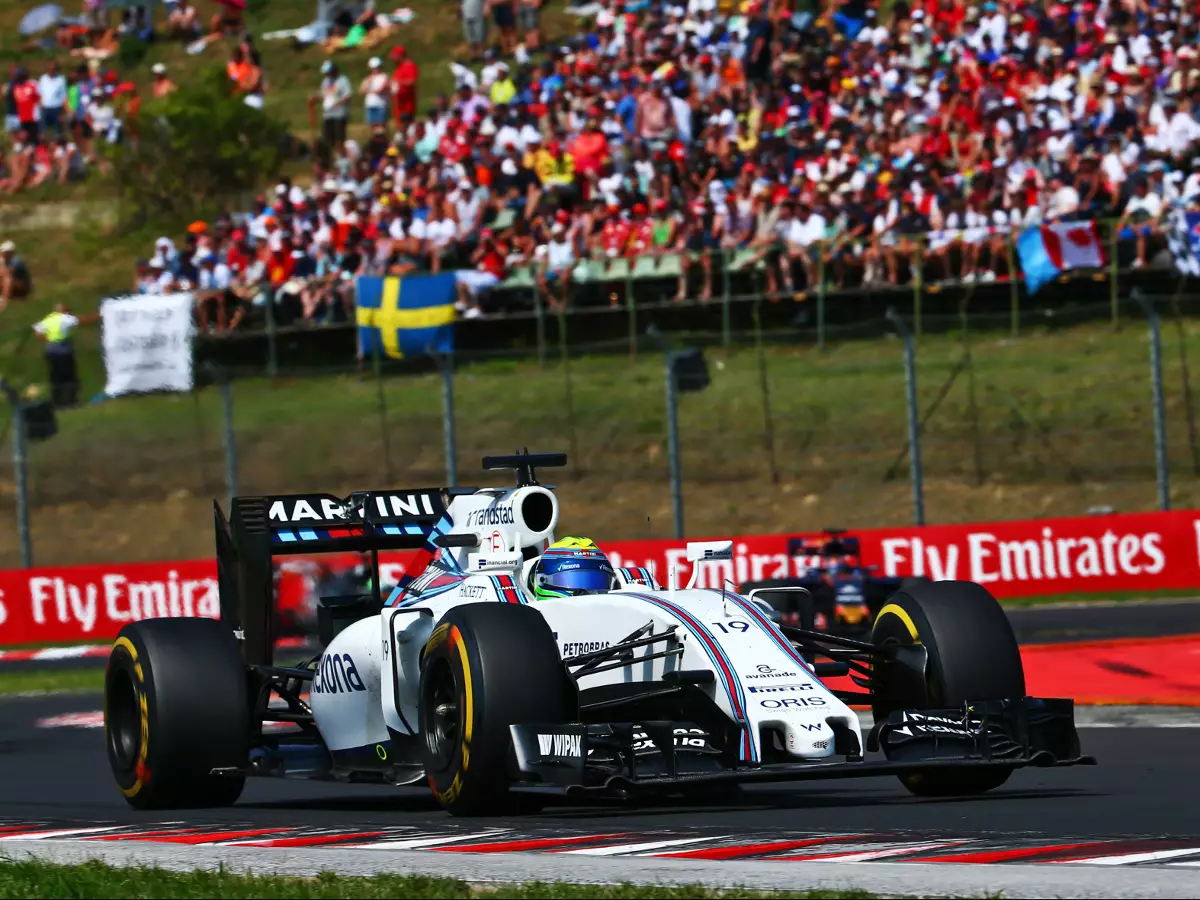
(1050,424)
(85,679)
(1109,597)
(26,878)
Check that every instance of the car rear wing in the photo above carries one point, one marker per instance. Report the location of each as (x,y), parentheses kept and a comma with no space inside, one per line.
(260,528)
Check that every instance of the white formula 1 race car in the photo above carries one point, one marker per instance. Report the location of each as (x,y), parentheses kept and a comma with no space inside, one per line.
(459,680)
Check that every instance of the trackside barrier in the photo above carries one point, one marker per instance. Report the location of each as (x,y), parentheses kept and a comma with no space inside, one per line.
(1151,551)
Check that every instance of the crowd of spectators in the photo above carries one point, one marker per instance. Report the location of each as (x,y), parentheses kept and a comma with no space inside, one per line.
(840,144)
(58,117)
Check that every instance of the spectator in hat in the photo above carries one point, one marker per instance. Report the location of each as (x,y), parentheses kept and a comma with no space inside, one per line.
(214,290)
(488,268)
(335,96)
(503,89)
(160,85)
(374,88)
(554,166)
(52,96)
(556,258)
(26,101)
(1140,218)
(405,76)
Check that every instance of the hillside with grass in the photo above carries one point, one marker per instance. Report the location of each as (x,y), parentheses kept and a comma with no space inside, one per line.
(1055,422)
(78,254)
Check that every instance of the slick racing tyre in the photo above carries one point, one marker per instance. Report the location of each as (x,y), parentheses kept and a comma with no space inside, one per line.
(972,655)
(485,667)
(175,708)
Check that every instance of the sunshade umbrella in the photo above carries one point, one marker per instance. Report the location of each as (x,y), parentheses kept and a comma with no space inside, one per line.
(40,19)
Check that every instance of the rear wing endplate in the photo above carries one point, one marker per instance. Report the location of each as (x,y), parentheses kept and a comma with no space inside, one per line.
(259,528)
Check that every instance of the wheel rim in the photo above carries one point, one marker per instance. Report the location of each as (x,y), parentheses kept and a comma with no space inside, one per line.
(442,714)
(124,721)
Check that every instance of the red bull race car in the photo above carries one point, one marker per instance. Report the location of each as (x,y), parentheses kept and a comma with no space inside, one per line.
(843,596)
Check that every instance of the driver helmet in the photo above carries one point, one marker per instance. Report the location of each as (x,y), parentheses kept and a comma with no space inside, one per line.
(571,567)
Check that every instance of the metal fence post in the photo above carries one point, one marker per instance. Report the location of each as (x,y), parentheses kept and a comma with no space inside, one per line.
(1160,414)
(726,321)
(1114,273)
(539,312)
(230,438)
(821,295)
(914,426)
(564,355)
(1014,289)
(19,473)
(764,384)
(673,443)
(385,441)
(448,425)
(272,350)
(918,280)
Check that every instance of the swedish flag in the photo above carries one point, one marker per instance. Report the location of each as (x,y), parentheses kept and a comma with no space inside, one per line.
(405,317)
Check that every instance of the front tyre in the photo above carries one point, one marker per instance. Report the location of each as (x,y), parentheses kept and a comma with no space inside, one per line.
(485,667)
(972,655)
(175,708)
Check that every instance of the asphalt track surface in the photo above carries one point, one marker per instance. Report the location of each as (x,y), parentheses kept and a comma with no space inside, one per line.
(1063,623)
(1145,786)
(1144,789)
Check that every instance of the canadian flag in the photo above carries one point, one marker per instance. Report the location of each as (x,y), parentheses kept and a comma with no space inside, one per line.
(1073,245)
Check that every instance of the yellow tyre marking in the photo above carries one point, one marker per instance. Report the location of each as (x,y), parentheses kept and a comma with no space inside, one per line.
(129,648)
(903,616)
(144,711)
(457,641)
(439,635)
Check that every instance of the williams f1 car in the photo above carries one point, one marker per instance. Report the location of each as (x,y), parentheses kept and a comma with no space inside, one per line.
(459,681)
(841,596)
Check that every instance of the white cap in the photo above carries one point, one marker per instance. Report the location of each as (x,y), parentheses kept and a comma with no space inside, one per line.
(375,62)
(7,247)
(326,67)
(158,69)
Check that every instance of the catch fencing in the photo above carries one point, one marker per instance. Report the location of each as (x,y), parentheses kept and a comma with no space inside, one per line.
(787,435)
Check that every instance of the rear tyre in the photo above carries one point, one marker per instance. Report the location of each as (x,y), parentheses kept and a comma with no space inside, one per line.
(487,666)
(973,655)
(175,708)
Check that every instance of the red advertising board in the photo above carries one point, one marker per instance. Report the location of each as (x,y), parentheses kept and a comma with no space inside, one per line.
(1093,554)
